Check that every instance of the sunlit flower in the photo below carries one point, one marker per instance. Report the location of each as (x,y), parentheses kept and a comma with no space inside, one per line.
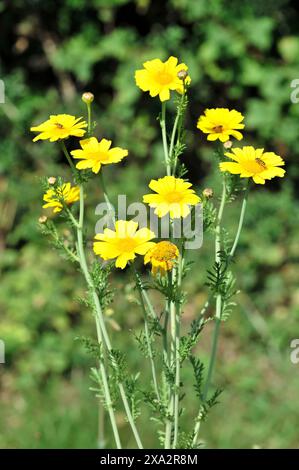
(162,257)
(221,123)
(65,194)
(174,196)
(159,78)
(60,126)
(123,243)
(253,163)
(94,154)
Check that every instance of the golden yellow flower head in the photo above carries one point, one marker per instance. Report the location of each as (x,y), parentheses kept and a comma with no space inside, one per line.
(162,257)
(65,194)
(59,127)
(253,163)
(94,154)
(173,196)
(123,243)
(221,123)
(159,78)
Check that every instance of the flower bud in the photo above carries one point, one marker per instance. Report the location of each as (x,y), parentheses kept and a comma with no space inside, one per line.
(228,144)
(208,193)
(87,97)
(182,74)
(52,180)
(42,219)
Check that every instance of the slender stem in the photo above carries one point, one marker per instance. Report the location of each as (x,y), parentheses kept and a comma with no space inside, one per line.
(176,122)
(164,138)
(111,213)
(88,118)
(74,221)
(167,360)
(109,348)
(147,335)
(174,363)
(241,221)
(218,310)
(67,155)
(177,127)
(149,304)
(219,304)
(98,311)
(218,222)
(177,355)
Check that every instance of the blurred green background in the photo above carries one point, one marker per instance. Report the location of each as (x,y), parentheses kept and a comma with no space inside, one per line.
(240,54)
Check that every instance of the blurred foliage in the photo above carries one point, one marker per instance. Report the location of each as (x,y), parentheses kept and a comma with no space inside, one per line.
(240,54)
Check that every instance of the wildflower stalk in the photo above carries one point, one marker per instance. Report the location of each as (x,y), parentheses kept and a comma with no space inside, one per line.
(173,311)
(177,129)
(177,355)
(111,213)
(241,221)
(164,138)
(169,358)
(109,348)
(147,335)
(219,298)
(99,315)
(218,311)
(67,155)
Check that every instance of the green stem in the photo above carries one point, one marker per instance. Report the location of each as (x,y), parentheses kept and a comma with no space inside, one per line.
(167,360)
(109,348)
(111,213)
(98,310)
(177,355)
(218,310)
(147,336)
(67,155)
(88,119)
(241,221)
(219,300)
(149,304)
(72,218)
(177,127)
(164,138)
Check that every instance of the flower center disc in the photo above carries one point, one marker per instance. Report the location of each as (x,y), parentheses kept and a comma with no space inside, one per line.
(164,78)
(174,196)
(127,244)
(99,156)
(218,129)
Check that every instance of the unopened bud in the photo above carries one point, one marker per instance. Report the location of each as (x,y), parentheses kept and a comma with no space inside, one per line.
(87,97)
(208,193)
(182,74)
(52,180)
(228,144)
(43,219)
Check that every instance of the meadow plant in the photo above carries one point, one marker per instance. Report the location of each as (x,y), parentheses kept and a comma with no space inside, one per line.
(172,198)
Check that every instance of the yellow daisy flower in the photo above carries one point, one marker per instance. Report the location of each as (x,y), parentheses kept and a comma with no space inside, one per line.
(58,127)
(159,77)
(174,196)
(123,243)
(253,163)
(55,197)
(94,154)
(220,123)
(162,257)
